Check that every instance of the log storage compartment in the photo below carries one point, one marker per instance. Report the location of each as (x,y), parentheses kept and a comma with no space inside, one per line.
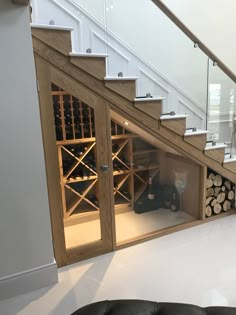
(220,194)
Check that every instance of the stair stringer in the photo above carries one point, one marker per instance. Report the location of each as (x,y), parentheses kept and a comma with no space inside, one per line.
(60,61)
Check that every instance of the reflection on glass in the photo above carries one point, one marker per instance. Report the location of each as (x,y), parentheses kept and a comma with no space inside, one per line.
(221,106)
(75,135)
(154,186)
(180,182)
(170,53)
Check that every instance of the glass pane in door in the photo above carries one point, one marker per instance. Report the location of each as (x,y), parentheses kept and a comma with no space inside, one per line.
(77,151)
(155,187)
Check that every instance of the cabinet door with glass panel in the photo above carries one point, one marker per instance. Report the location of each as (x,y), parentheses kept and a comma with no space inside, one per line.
(82,161)
(156,189)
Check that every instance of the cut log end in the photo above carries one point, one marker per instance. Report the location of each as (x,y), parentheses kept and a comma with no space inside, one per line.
(208,211)
(217,208)
(217,181)
(226,205)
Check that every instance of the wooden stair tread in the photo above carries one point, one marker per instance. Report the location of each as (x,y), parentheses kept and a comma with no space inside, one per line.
(149,99)
(215,147)
(88,55)
(120,78)
(52,27)
(170,117)
(195,133)
(230,160)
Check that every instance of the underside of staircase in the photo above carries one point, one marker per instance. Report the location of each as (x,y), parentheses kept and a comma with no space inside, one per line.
(88,71)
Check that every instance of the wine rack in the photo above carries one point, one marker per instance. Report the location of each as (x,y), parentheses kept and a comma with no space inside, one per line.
(133,160)
(73,118)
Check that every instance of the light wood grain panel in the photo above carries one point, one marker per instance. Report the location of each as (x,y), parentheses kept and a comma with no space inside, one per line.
(216,154)
(50,153)
(152,108)
(125,88)
(104,179)
(221,215)
(57,39)
(230,166)
(87,251)
(95,66)
(177,125)
(202,189)
(198,141)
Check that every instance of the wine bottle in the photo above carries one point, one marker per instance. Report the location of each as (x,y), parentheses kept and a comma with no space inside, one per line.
(79,187)
(77,173)
(69,131)
(59,135)
(94,200)
(77,131)
(126,193)
(151,193)
(115,147)
(113,128)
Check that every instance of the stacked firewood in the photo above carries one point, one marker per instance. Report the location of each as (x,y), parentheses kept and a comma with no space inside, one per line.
(220,194)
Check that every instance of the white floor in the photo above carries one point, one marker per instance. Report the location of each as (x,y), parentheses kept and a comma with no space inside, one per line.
(197,265)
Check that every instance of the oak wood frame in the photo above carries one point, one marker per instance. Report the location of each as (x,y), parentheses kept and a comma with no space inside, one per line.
(47,74)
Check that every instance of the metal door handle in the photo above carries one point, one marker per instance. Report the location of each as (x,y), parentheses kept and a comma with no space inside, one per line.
(104,168)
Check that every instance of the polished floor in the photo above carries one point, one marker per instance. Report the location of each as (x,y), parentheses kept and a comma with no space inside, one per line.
(128,226)
(197,265)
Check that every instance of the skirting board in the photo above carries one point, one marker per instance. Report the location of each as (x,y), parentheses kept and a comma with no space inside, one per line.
(28,281)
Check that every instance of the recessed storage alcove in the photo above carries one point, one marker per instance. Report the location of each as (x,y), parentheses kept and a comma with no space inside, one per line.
(154,187)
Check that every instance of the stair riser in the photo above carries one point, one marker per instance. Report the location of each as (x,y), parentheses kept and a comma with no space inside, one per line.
(125,88)
(217,154)
(198,141)
(94,66)
(153,108)
(176,125)
(230,166)
(59,40)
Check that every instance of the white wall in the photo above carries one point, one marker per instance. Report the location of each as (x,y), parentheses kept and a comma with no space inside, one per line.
(213,22)
(25,232)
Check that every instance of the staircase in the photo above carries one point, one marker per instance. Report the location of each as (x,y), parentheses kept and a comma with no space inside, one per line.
(53,44)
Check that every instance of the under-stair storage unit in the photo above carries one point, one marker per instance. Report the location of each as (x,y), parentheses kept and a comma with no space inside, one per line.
(122,171)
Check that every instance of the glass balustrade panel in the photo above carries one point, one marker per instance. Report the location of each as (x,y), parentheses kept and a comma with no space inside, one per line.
(221,120)
(143,42)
